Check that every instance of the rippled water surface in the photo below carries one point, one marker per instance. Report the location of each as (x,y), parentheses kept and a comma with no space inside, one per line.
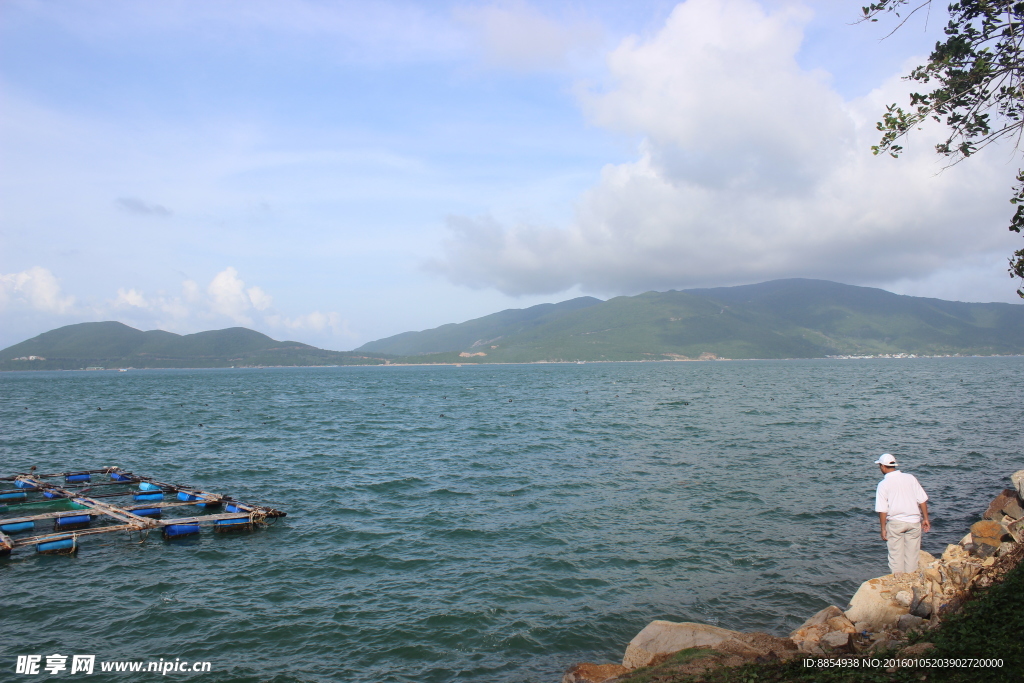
(490,523)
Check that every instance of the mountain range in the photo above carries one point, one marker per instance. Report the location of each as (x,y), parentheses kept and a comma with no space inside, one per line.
(793,318)
(115,345)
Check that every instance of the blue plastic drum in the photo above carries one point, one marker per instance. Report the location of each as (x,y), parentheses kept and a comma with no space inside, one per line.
(72,522)
(146,512)
(77,477)
(146,486)
(17,527)
(176,530)
(238,524)
(63,546)
(148,495)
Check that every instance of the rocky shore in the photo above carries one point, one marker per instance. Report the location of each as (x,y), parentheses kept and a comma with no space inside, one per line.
(879,618)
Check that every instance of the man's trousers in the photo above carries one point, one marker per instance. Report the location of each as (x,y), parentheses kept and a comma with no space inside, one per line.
(904,541)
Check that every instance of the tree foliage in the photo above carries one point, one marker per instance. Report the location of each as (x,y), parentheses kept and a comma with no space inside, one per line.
(976,81)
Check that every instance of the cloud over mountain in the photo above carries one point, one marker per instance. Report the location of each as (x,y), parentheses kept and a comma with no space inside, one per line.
(750,168)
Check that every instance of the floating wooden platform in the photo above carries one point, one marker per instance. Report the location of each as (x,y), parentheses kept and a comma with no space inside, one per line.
(61,497)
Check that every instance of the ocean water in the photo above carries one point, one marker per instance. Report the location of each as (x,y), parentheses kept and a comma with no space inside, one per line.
(488,523)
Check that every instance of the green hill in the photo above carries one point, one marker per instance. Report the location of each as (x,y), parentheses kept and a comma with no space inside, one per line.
(779,319)
(478,332)
(115,345)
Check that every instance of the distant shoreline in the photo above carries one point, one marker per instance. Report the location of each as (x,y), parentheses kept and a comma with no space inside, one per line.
(539,362)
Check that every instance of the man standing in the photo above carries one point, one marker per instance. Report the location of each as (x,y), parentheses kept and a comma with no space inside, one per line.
(902,507)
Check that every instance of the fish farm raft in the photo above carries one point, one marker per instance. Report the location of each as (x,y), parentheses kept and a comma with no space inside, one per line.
(40,498)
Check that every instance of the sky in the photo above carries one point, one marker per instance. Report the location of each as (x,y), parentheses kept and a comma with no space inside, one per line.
(335,172)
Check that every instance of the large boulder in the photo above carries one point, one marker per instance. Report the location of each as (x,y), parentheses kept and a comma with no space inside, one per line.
(1018,482)
(665,637)
(660,639)
(875,603)
(1006,503)
(988,532)
(593,673)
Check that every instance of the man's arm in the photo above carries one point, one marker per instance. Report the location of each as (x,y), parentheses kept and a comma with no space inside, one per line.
(925,524)
(881,522)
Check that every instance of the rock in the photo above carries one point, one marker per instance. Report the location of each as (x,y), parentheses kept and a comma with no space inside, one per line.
(1018,482)
(862,626)
(593,673)
(836,641)
(909,621)
(921,606)
(664,637)
(1016,530)
(965,540)
(883,644)
(1003,504)
(924,559)
(1004,548)
(820,618)
(752,647)
(904,598)
(987,532)
(870,605)
(916,650)
(986,550)
(841,623)
(954,553)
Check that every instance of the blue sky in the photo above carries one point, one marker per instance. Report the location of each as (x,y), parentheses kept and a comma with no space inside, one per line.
(336,172)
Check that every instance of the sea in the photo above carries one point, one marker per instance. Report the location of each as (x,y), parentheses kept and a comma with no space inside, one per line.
(491,523)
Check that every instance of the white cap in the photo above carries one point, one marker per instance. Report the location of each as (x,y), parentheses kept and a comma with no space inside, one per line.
(886,459)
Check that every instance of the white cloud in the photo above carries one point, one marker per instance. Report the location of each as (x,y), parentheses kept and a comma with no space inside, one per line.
(37,289)
(751,168)
(518,36)
(130,298)
(260,300)
(225,299)
(228,296)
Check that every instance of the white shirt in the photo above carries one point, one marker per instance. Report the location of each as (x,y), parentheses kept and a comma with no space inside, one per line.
(898,495)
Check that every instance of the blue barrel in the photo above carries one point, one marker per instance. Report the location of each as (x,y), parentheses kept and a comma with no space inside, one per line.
(13,495)
(175,530)
(186,496)
(17,527)
(146,486)
(146,512)
(210,504)
(237,524)
(233,508)
(19,484)
(117,476)
(148,495)
(53,494)
(72,522)
(63,546)
(77,477)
